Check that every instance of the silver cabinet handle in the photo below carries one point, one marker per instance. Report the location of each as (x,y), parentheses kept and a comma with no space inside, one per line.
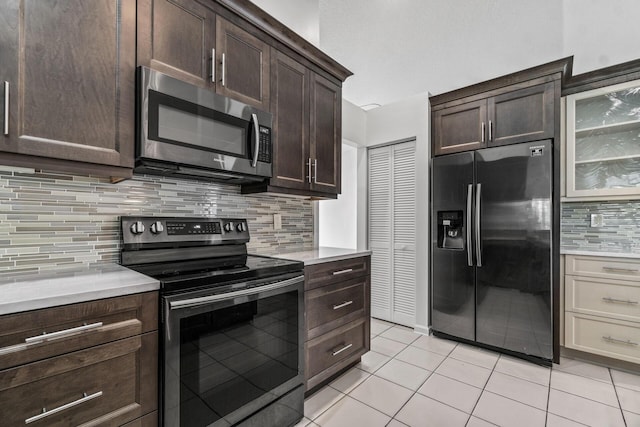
(478,209)
(483,131)
(309,170)
(348,270)
(490,130)
(256,135)
(213,65)
(199,301)
(615,340)
(45,413)
(620,270)
(61,334)
(469,202)
(315,171)
(344,304)
(621,301)
(224,72)
(6,108)
(337,352)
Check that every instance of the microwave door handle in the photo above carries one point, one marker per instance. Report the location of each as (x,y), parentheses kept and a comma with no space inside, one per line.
(256,136)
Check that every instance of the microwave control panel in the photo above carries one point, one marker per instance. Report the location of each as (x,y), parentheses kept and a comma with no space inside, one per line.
(264,153)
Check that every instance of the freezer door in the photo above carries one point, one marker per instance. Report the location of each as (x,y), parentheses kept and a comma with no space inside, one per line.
(452,277)
(513,277)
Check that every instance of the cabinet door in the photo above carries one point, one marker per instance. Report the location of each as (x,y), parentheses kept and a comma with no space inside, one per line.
(70,68)
(326,131)
(459,128)
(522,115)
(177,37)
(244,65)
(290,109)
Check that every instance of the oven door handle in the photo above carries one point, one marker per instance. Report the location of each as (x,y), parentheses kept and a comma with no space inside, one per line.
(199,301)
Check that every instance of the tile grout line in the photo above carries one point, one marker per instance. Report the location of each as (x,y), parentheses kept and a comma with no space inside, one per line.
(546,415)
(482,392)
(416,391)
(615,389)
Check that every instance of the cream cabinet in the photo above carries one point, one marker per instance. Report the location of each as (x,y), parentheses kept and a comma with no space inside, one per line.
(602,306)
(603,142)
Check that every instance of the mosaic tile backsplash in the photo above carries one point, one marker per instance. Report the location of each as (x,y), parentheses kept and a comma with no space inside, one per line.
(620,231)
(53,221)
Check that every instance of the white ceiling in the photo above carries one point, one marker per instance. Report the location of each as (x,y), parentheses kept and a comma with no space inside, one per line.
(399,48)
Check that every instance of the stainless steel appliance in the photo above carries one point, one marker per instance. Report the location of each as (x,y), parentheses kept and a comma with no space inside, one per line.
(491,250)
(232,324)
(187,131)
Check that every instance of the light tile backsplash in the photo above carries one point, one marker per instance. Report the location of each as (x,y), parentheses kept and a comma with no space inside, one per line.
(620,231)
(53,221)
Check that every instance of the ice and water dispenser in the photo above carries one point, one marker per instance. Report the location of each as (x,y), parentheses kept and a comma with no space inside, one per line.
(450,229)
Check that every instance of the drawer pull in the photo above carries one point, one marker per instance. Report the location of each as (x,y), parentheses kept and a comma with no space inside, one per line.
(620,301)
(614,340)
(61,334)
(620,270)
(344,304)
(46,413)
(346,347)
(348,270)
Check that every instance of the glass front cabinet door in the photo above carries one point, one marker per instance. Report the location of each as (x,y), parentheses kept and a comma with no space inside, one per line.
(603,142)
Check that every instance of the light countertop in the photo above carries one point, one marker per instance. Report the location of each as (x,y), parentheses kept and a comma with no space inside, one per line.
(601,254)
(53,288)
(320,254)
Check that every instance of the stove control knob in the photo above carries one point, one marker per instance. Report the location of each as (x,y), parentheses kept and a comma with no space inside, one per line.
(241,227)
(137,227)
(228,227)
(157,228)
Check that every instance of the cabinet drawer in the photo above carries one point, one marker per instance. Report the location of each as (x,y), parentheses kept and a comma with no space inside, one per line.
(35,335)
(102,385)
(611,298)
(332,348)
(604,268)
(334,305)
(334,272)
(607,337)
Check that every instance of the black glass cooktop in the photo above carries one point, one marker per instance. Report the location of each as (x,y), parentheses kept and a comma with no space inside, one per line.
(181,275)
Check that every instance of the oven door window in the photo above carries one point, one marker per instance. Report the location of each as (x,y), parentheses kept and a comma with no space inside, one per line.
(233,357)
(180,122)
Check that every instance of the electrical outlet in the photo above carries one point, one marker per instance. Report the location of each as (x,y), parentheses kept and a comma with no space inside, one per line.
(277,221)
(597,220)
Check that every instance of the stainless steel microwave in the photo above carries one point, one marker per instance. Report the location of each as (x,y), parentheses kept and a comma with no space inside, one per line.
(187,131)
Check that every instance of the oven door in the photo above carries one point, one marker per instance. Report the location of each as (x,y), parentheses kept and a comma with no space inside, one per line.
(230,352)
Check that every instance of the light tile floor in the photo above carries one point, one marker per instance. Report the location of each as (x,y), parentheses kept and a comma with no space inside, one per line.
(414,380)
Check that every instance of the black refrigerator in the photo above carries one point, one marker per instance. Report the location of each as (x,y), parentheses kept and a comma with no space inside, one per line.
(491,248)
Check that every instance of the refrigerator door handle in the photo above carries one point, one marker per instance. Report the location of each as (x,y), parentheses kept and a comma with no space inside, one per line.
(468,225)
(478,209)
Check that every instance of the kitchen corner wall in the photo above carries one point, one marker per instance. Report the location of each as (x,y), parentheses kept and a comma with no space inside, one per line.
(620,231)
(53,221)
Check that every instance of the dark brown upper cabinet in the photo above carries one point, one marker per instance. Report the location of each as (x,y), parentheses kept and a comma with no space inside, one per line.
(290,108)
(459,128)
(189,41)
(520,115)
(307,114)
(177,37)
(326,135)
(244,65)
(68,72)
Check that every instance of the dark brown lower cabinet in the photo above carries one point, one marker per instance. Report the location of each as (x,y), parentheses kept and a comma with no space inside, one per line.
(337,315)
(112,383)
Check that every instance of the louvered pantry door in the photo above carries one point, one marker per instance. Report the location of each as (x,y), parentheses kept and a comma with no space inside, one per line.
(392,224)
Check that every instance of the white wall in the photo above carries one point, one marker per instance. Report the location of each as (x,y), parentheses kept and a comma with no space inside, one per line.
(403,120)
(599,33)
(338,220)
(302,16)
